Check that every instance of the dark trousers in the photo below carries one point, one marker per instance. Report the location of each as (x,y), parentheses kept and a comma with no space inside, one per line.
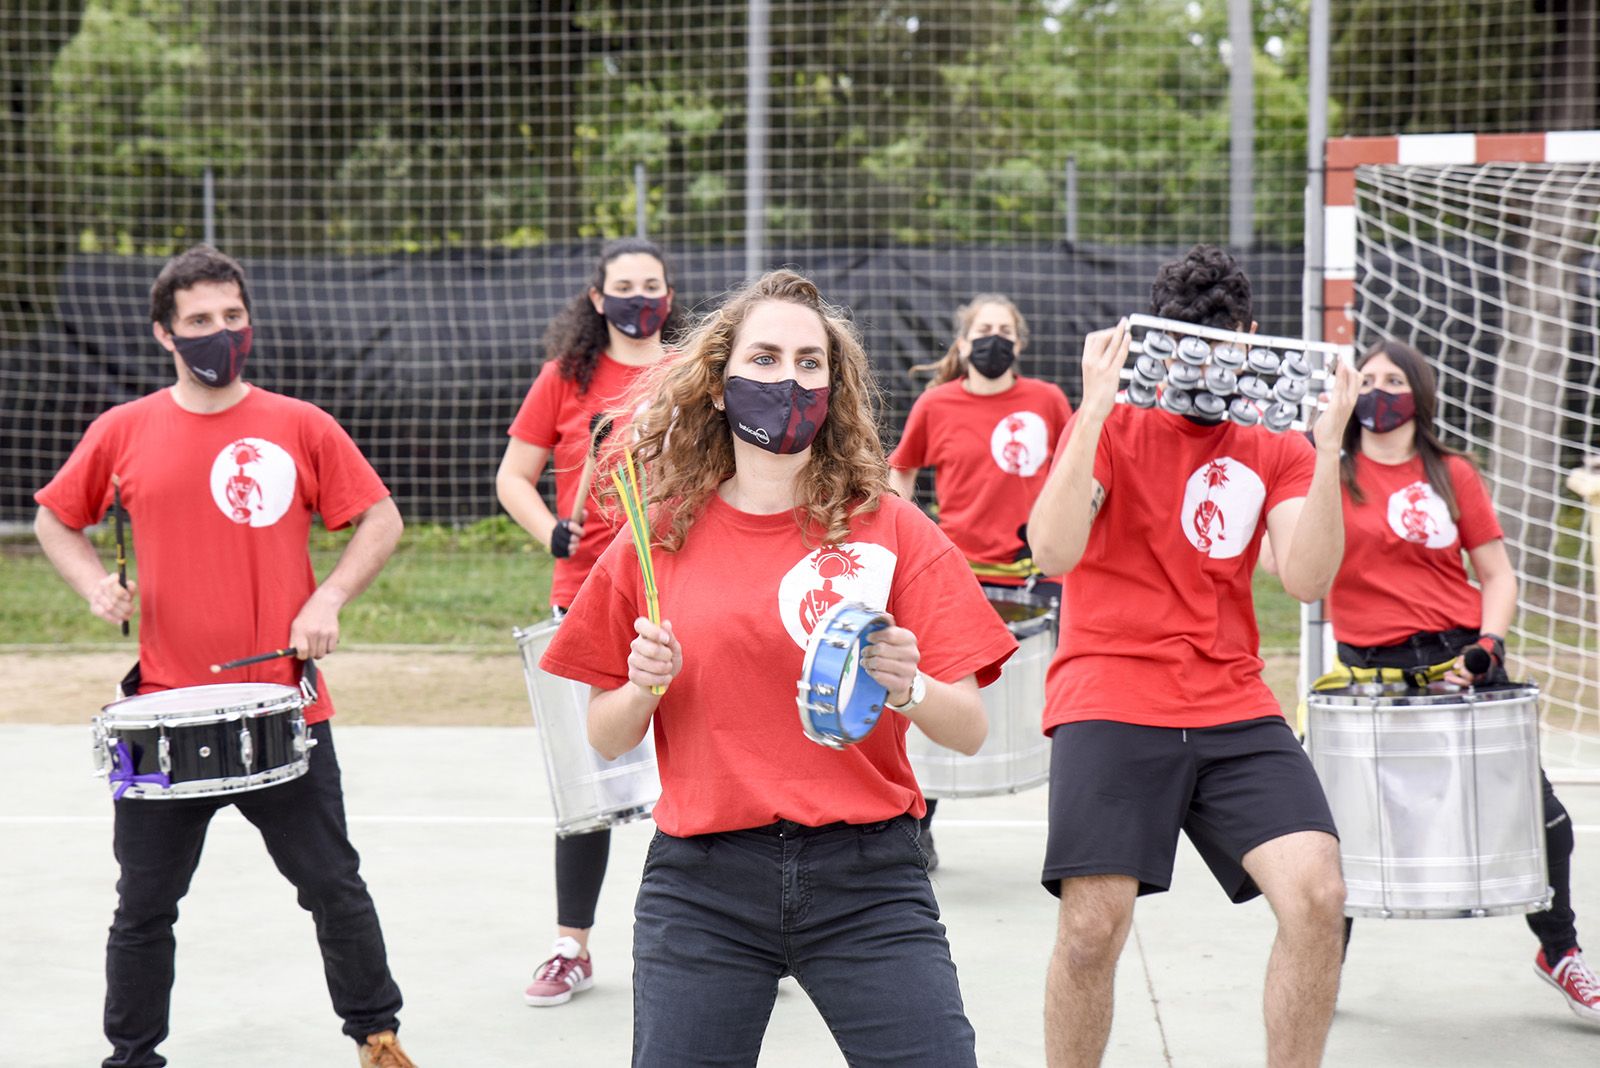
(1557,927)
(158,845)
(580,871)
(847,910)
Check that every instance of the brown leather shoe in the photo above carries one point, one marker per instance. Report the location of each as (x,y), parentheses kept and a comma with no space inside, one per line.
(382,1050)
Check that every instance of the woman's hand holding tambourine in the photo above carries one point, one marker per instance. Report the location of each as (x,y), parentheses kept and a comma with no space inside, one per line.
(892,658)
(654,658)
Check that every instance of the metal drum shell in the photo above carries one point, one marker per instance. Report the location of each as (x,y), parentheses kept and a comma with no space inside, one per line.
(1437,798)
(1016,754)
(587,791)
(201,726)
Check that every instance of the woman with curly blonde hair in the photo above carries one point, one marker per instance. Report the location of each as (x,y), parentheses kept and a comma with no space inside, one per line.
(766,486)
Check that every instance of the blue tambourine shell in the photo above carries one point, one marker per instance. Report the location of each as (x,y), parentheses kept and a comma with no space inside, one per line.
(833,667)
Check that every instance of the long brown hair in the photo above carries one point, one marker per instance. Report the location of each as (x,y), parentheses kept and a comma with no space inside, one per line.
(1425,393)
(950,366)
(686,446)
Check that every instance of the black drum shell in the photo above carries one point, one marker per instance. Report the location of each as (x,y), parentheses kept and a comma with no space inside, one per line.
(271,736)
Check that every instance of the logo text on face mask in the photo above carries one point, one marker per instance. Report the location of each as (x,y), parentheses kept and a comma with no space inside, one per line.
(207,373)
(759,433)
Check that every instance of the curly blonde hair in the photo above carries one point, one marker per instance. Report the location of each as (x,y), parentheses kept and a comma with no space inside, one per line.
(685,445)
(951,366)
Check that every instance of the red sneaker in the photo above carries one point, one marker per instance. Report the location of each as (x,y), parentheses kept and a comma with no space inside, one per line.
(560,977)
(1579,985)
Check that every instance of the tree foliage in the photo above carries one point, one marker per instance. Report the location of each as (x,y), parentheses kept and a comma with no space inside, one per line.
(368,127)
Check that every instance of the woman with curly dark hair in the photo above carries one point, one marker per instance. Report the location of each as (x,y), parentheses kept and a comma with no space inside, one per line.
(596,347)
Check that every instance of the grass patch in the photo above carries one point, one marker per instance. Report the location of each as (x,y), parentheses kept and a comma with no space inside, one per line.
(442,587)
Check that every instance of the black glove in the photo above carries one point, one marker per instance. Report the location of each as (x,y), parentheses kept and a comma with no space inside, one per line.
(1484,657)
(561,539)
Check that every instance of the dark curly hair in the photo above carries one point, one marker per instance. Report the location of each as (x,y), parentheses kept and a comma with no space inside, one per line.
(1206,287)
(577,335)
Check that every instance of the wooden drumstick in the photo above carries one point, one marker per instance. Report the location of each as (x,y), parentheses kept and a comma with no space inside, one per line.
(246,661)
(599,429)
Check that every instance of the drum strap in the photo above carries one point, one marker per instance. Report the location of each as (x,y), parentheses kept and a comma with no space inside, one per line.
(1344,675)
(1017,569)
(129,686)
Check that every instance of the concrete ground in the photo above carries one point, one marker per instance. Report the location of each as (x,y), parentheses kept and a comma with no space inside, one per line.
(454,829)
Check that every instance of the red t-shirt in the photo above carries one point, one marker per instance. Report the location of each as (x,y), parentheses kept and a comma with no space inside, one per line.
(555,416)
(990,455)
(221,509)
(1158,624)
(1402,570)
(742,595)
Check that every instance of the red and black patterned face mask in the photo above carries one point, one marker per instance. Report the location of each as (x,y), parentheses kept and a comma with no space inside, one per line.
(637,317)
(215,359)
(777,416)
(1381,411)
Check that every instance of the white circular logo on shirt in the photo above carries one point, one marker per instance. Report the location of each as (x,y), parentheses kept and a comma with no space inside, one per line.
(252,481)
(1221,507)
(854,571)
(1020,443)
(1419,515)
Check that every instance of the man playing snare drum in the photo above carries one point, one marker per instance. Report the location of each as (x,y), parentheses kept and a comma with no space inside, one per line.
(1158,713)
(221,479)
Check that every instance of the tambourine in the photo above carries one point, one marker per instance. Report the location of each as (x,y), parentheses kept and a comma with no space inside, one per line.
(839,702)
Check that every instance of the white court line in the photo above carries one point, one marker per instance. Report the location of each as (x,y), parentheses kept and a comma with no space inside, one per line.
(547,821)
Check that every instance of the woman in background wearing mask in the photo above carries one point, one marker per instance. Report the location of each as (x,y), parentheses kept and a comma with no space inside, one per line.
(774,855)
(596,347)
(988,433)
(1402,600)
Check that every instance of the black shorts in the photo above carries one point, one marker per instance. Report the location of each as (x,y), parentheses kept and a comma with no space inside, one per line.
(1120,792)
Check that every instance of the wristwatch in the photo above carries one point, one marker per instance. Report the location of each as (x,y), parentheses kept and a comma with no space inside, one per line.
(919,691)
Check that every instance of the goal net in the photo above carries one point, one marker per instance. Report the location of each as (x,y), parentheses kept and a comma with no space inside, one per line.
(1481,252)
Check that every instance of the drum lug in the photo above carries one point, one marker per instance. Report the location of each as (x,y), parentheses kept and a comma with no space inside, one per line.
(101,749)
(164,754)
(247,747)
(302,743)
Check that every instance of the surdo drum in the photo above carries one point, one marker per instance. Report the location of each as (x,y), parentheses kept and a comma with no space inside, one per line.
(589,792)
(1016,755)
(1436,796)
(203,741)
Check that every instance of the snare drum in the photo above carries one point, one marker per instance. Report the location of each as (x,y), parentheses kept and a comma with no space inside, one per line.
(202,741)
(589,792)
(1437,799)
(1016,755)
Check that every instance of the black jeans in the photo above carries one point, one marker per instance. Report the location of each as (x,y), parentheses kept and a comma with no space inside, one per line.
(847,910)
(158,845)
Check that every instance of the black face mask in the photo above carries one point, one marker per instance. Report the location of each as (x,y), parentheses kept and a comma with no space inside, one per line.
(637,317)
(1381,411)
(992,355)
(216,359)
(777,416)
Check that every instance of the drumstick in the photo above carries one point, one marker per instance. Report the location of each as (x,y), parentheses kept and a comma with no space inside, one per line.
(599,429)
(630,492)
(246,661)
(122,550)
